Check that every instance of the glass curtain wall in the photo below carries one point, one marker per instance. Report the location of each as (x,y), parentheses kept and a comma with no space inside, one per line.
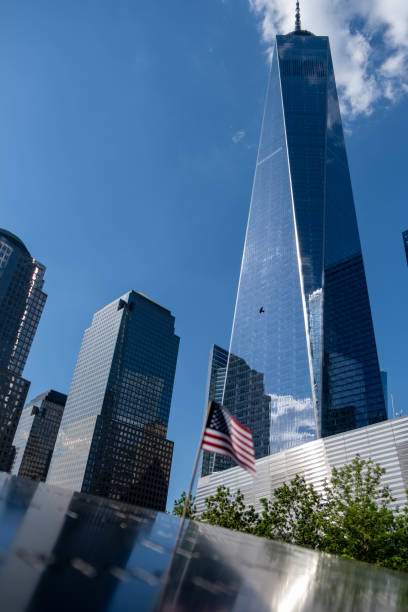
(302,323)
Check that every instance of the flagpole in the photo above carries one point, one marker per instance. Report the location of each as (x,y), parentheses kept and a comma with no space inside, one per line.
(182,520)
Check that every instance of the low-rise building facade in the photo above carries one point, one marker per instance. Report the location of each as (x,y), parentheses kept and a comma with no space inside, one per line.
(386,443)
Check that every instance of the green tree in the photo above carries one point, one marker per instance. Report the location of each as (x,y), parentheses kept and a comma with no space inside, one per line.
(227,510)
(294,515)
(357,521)
(178,506)
(399,560)
(352,516)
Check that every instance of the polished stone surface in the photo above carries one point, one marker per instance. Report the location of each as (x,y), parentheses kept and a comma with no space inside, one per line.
(67,551)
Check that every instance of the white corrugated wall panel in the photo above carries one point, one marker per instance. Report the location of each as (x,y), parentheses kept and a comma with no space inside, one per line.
(386,443)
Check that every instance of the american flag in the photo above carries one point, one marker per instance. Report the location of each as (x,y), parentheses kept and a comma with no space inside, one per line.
(224,435)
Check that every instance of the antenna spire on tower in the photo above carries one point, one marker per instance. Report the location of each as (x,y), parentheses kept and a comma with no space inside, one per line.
(297,18)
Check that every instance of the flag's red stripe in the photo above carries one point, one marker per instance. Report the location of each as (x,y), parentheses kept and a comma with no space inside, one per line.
(241,426)
(237,427)
(248,466)
(212,439)
(219,450)
(244,445)
(215,432)
(234,423)
(242,438)
(246,430)
(237,443)
(243,455)
(235,435)
(239,431)
(224,452)
(213,447)
(209,436)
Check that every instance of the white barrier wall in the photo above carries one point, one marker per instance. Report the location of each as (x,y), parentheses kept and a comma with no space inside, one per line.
(386,443)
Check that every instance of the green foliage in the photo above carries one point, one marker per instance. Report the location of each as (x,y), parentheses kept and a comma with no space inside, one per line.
(399,559)
(178,506)
(294,515)
(357,521)
(351,517)
(226,510)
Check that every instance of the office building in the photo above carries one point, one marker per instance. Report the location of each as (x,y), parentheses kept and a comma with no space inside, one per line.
(244,393)
(302,317)
(36,435)
(384,382)
(405,240)
(21,304)
(217,367)
(112,440)
(386,443)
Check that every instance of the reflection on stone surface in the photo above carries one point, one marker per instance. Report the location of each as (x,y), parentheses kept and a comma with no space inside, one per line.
(65,551)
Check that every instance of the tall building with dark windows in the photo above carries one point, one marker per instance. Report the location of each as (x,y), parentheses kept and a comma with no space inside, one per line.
(21,304)
(112,440)
(405,239)
(384,382)
(244,394)
(36,435)
(217,367)
(302,318)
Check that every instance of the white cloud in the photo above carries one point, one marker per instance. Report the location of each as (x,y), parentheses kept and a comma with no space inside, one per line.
(238,136)
(368,39)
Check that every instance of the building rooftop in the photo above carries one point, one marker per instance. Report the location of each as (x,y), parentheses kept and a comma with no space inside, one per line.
(51,396)
(298,26)
(15,240)
(300,33)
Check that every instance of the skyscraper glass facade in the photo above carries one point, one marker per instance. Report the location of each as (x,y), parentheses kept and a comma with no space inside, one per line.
(217,367)
(36,435)
(405,239)
(21,304)
(244,392)
(112,439)
(302,319)
(384,382)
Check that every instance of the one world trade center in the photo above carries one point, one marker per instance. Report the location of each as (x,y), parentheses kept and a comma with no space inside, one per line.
(303,359)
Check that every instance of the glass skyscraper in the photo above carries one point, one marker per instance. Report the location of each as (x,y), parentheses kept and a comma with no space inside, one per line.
(36,434)
(21,304)
(302,318)
(405,239)
(112,440)
(244,393)
(215,388)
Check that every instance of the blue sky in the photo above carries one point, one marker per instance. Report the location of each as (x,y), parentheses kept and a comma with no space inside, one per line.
(129,134)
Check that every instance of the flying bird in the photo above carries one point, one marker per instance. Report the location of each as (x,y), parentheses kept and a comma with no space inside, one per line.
(261,310)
